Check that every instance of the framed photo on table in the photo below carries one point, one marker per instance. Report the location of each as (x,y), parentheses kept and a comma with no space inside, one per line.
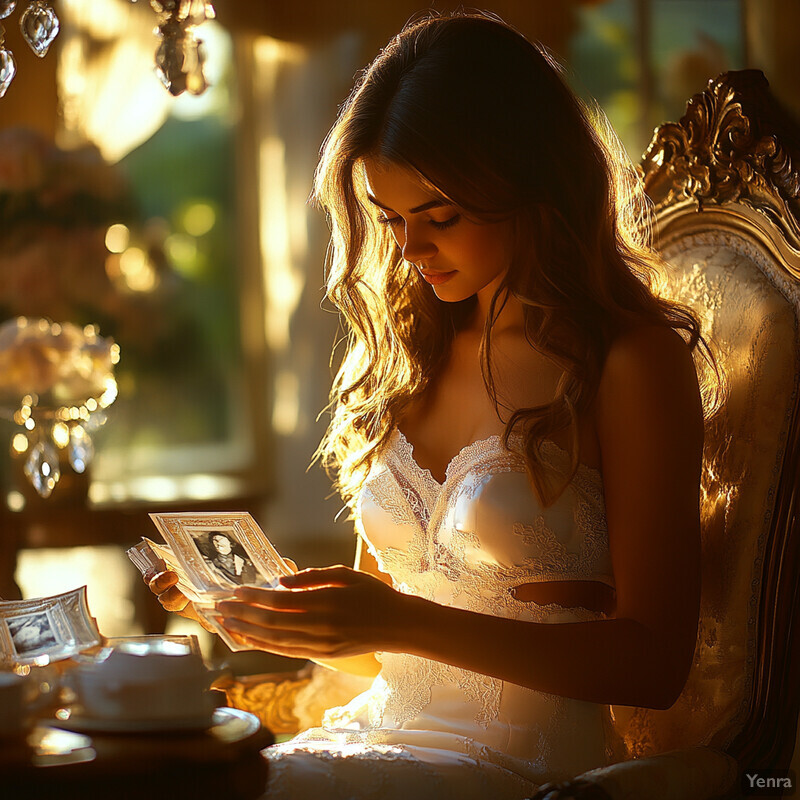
(46,629)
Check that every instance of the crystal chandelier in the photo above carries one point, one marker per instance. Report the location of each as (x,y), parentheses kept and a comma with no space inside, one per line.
(179,57)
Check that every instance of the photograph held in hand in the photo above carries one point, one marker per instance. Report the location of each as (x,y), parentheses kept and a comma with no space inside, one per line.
(210,556)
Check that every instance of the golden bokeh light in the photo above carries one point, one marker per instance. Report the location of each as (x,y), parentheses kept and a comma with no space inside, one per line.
(118,238)
(15,501)
(109,395)
(19,444)
(137,270)
(61,434)
(199,219)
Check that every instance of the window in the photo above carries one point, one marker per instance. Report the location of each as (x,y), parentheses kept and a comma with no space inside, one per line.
(642,59)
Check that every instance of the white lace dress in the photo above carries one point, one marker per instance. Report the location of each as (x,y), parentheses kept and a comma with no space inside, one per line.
(428,730)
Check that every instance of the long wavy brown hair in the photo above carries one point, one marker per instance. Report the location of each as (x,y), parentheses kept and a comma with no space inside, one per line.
(483,117)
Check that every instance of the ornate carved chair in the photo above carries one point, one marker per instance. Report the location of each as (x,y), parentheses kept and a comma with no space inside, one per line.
(727,202)
(726,189)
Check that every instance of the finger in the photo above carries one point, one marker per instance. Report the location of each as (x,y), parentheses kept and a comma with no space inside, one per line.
(162,581)
(307,653)
(266,598)
(308,599)
(173,599)
(268,618)
(276,640)
(319,576)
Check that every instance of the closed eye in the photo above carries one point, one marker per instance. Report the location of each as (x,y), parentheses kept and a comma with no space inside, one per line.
(447,223)
(440,226)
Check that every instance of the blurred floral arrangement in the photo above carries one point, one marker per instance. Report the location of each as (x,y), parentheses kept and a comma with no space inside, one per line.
(58,365)
(56,380)
(56,210)
(42,184)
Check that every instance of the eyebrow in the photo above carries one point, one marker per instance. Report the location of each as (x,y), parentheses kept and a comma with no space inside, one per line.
(416,209)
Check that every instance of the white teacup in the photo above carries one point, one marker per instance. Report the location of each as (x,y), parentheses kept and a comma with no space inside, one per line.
(143,681)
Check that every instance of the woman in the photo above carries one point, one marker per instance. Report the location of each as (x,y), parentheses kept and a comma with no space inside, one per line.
(516,427)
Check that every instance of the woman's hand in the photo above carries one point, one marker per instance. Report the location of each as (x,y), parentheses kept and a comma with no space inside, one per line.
(328,613)
(163,585)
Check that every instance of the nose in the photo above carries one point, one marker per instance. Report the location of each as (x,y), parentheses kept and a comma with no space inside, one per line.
(417,244)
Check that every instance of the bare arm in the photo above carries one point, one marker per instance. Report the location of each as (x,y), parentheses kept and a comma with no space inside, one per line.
(649,425)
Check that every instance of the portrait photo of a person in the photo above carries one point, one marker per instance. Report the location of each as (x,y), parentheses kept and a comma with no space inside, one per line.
(227,556)
(31,633)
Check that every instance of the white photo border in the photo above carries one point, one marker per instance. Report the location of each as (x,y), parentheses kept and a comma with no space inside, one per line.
(177,530)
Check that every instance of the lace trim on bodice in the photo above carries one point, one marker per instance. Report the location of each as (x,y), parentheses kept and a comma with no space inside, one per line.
(433,559)
(414,498)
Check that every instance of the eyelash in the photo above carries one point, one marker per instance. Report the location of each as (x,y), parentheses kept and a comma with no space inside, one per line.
(440,226)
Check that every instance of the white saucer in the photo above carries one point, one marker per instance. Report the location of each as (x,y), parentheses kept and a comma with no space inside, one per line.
(84,724)
(227,724)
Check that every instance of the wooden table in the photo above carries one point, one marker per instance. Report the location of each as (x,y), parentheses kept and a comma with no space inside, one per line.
(223,762)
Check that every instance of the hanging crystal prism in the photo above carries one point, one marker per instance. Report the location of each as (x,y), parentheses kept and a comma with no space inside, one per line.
(6,7)
(39,25)
(171,57)
(8,68)
(42,468)
(164,6)
(196,12)
(195,51)
(80,449)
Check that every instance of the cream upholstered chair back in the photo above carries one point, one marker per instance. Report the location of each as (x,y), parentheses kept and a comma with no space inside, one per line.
(726,193)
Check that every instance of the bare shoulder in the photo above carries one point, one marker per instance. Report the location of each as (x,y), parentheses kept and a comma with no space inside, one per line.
(649,350)
(649,393)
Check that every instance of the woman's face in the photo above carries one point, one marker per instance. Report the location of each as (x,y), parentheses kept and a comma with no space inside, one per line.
(457,256)
(28,635)
(222,544)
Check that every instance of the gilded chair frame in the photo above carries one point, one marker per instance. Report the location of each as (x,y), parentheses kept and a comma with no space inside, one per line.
(730,164)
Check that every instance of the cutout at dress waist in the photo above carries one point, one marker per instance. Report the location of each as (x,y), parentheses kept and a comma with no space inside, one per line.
(591,595)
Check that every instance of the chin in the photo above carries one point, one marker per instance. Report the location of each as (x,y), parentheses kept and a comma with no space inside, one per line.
(452,292)
(452,297)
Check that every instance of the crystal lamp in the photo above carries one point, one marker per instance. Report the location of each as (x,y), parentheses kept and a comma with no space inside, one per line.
(56,380)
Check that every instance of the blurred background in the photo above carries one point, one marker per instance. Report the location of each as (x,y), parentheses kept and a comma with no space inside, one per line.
(197,252)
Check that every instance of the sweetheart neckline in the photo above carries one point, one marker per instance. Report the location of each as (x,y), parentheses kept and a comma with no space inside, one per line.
(400,436)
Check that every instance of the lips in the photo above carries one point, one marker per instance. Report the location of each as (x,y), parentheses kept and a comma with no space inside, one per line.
(436,278)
